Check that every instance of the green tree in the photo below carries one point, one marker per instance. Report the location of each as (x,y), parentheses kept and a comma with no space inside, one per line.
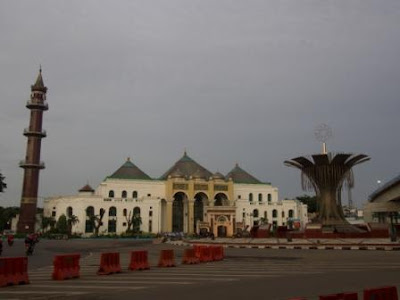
(3,185)
(136,222)
(72,220)
(62,224)
(96,221)
(48,222)
(6,215)
(311,202)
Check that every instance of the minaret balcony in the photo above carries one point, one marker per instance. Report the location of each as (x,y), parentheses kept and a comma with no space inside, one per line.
(37,105)
(28,132)
(31,165)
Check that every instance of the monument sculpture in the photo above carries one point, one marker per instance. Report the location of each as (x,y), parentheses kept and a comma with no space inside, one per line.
(327,173)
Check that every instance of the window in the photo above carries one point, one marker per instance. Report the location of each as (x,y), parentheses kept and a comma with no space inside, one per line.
(265,215)
(150,225)
(251,197)
(239,197)
(260,198)
(112,212)
(111,194)
(290,213)
(90,211)
(255,213)
(150,213)
(124,212)
(136,211)
(89,226)
(148,195)
(283,214)
(274,213)
(53,213)
(269,197)
(134,194)
(123,194)
(112,226)
(69,211)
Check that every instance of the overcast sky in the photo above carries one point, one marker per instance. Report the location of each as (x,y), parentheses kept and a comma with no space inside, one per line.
(230,81)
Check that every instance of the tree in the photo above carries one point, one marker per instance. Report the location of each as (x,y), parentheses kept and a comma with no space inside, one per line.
(6,215)
(62,225)
(136,222)
(71,221)
(96,220)
(3,185)
(310,201)
(48,222)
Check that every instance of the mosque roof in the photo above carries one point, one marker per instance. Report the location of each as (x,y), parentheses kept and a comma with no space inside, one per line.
(86,188)
(129,171)
(187,167)
(239,175)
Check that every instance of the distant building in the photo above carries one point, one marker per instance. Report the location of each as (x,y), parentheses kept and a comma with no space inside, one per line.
(182,198)
(384,203)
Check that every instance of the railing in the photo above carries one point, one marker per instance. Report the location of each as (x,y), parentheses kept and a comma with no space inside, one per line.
(42,133)
(25,164)
(40,105)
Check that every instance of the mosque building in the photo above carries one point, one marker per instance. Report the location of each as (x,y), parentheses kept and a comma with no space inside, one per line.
(186,198)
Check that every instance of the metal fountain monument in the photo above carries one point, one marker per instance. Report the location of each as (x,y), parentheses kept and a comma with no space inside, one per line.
(327,173)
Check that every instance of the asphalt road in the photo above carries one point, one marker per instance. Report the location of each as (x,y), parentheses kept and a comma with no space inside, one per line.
(244,273)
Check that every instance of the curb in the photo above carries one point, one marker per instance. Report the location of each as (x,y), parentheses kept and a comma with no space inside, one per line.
(383,247)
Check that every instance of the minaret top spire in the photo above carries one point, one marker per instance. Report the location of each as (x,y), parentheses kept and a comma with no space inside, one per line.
(39,84)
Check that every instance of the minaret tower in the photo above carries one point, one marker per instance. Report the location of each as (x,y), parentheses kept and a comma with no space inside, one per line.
(32,164)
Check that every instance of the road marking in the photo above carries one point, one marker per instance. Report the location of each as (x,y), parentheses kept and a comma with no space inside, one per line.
(118,282)
(94,286)
(42,292)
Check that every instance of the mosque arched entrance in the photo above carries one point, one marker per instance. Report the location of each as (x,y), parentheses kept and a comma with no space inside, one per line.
(178,212)
(200,200)
(221,199)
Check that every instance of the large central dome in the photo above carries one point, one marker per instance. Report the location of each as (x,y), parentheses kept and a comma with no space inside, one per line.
(187,167)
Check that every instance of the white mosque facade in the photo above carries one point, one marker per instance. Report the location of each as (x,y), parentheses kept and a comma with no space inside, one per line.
(183,199)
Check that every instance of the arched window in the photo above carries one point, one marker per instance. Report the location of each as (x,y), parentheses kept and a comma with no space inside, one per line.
(134,194)
(124,212)
(90,211)
(251,197)
(290,213)
(112,212)
(255,213)
(123,194)
(136,211)
(260,198)
(69,211)
(274,213)
(269,197)
(111,194)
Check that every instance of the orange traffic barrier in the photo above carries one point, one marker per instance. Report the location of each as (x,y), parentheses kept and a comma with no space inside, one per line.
(109,264)
(196,249)
(189,257)
(66,266)
(139,261)
(13,270)
(217,252)
(382,293)
(166,258)
(341,296)
(205,254)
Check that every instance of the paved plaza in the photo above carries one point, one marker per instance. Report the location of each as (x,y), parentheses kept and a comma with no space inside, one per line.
(245,272)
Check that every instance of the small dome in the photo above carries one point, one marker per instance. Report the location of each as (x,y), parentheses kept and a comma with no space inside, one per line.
(86,188)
